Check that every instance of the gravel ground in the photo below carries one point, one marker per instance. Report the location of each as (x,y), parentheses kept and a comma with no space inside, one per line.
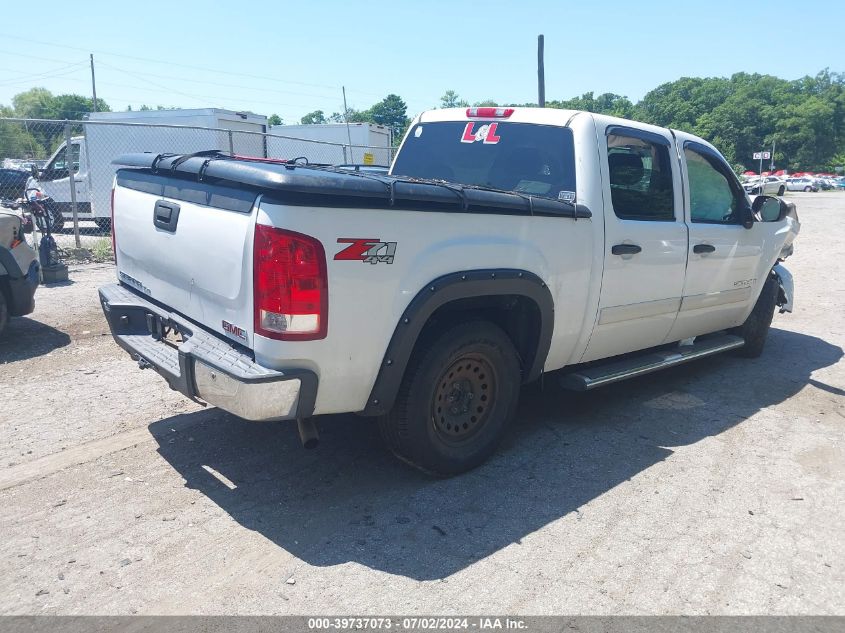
(716,488)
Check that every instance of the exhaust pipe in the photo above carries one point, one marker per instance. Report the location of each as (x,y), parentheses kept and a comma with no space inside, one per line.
(308,433)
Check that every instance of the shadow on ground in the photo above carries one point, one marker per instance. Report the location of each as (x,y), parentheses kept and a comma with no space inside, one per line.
(351,501)
(26,338)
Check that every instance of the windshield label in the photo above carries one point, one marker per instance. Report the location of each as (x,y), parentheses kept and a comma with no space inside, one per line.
(486,133)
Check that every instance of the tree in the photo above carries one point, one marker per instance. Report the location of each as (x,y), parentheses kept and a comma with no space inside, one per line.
(316,117)
(35,103)
(450,99)
(392,112)
(274,119)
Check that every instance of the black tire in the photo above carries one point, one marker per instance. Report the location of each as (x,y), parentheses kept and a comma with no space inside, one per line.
(756,326)
(104,224)
(456,400)
(4,312)
(781,190)
(808,189)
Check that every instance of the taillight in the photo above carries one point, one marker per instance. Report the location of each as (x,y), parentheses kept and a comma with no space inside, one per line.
(290,285)
(113,240)
(490,113)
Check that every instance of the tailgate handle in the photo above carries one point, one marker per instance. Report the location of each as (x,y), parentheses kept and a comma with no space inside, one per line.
(166,215)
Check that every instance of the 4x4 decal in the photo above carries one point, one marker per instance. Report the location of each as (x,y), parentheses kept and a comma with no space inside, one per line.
(367,250)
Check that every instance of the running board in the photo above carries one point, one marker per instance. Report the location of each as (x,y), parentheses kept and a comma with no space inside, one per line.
(601,375)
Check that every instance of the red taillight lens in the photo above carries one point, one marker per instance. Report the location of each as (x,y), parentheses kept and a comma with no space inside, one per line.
(490,113)
(113,240)
(290,285)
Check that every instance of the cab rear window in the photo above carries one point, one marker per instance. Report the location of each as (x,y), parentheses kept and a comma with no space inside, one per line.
(536,160)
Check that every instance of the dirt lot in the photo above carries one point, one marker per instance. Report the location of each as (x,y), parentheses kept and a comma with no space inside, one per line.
(715,488)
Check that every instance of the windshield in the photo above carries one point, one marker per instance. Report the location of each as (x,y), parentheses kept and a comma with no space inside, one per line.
(532,159)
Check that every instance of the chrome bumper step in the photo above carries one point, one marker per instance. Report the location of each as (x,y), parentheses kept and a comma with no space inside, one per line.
(586,378)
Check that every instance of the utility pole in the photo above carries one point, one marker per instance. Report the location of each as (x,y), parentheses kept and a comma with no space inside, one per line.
(346,119)
(541,74)
(93,83)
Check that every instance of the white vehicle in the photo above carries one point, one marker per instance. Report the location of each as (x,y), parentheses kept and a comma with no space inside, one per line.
(801,184)
(772,185)
(506,243)
(111,134)
(371,143)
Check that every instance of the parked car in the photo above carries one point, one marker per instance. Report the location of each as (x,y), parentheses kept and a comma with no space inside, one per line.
(804,183)
(505,243)
(12,183)
(772,185)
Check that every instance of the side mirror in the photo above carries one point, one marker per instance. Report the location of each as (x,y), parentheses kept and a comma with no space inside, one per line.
(33,171)
(769,208)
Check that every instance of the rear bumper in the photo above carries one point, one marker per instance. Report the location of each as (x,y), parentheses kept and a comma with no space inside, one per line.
(203,366)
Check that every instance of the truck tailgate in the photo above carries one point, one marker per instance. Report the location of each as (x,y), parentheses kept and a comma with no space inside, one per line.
(188,245)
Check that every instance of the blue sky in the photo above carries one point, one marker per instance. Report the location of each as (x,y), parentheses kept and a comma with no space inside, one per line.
(293,57)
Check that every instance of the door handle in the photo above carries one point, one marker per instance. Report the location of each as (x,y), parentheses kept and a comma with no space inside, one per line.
(625,249)
(703,248)
(166,215)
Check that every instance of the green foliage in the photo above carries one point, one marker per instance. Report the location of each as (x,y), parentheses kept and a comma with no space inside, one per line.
(451,99)
(313,118)
(746,113)
(274,119)
(607,103)
(391,112)
(40,103)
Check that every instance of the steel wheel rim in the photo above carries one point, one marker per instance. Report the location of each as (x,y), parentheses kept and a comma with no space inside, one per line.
(463,398)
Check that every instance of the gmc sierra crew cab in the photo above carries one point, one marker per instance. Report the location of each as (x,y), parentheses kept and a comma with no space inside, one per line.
(503,244)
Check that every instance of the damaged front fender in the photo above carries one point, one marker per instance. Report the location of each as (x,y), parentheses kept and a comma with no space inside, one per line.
(786,293)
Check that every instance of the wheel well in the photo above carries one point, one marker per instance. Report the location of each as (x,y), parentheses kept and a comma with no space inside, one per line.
(517,315)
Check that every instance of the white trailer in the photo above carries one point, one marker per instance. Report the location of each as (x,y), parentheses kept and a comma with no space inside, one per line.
(329,143)
(110,134)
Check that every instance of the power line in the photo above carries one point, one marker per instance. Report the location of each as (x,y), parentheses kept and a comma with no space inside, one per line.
(177,64)
(35,78)
(215,83)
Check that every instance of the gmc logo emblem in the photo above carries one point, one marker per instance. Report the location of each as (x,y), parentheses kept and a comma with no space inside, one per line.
(234,330)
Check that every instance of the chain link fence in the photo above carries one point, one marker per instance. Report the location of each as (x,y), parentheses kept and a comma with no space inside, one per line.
(71,163)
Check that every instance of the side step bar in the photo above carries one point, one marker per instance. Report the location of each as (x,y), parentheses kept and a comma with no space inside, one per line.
(588,378)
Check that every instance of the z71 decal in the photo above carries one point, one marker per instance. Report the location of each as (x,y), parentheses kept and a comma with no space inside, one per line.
(367,250)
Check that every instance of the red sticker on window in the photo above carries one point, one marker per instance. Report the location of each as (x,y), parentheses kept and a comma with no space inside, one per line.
(486,134)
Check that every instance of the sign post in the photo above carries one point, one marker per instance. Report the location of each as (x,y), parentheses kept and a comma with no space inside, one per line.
(761,156)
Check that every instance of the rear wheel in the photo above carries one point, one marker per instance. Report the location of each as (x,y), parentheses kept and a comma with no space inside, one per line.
(756,326)
(781,190)
(808,188)
(456,400)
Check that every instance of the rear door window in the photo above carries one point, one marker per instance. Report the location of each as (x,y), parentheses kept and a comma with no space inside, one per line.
(536,160)
(640,179)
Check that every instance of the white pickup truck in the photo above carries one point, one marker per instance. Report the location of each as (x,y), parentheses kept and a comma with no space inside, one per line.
(505,243)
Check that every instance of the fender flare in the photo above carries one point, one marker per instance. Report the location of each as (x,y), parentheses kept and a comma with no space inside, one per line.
(444,290)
